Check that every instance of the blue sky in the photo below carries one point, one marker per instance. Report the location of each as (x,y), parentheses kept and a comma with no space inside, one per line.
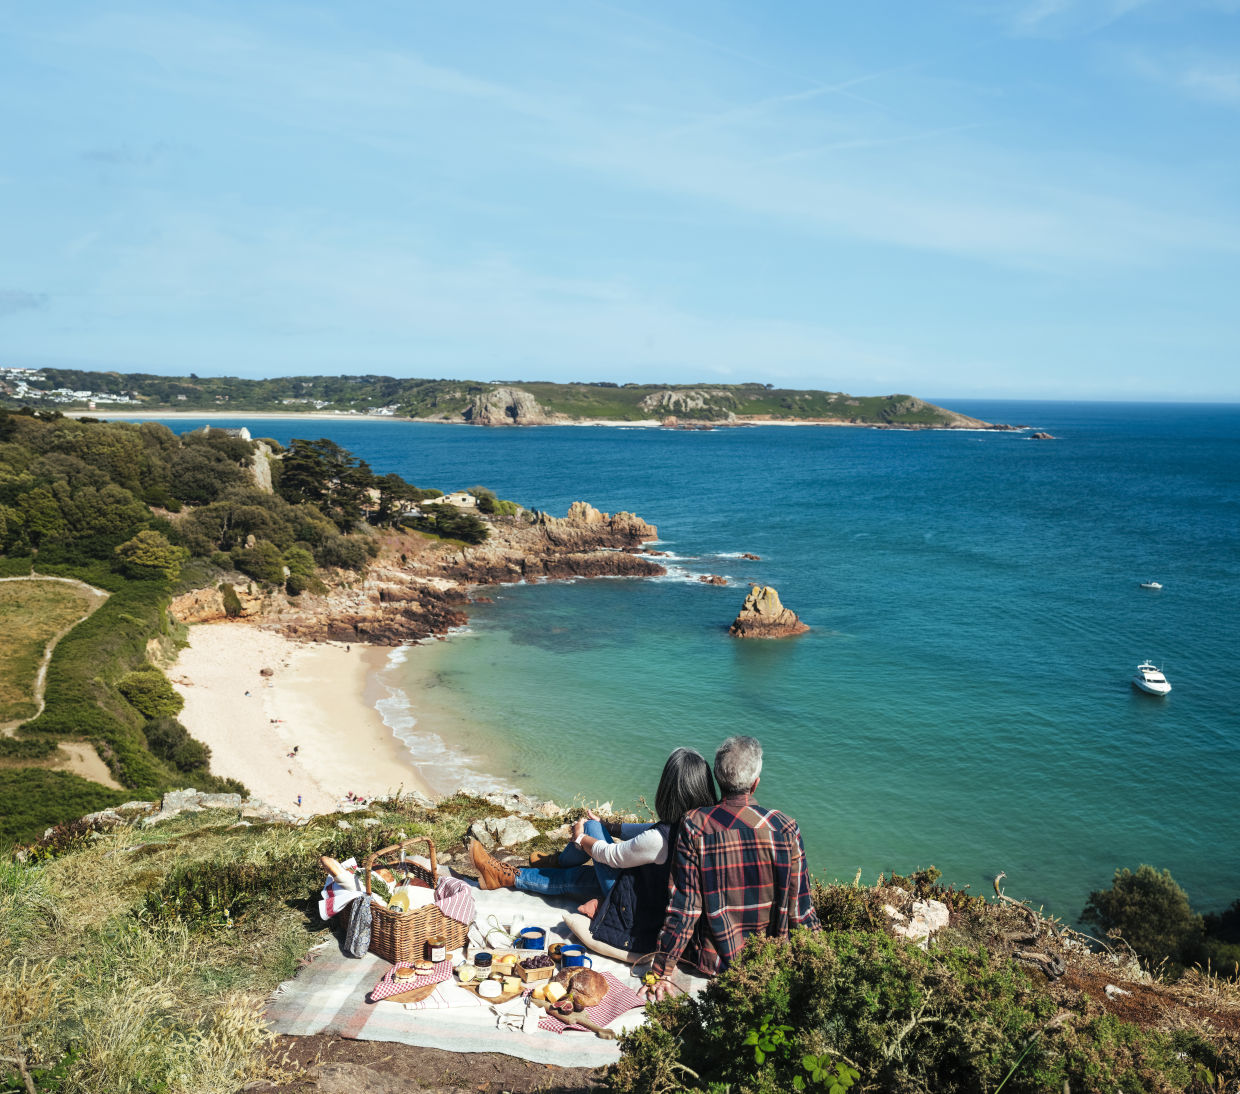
(1028,199)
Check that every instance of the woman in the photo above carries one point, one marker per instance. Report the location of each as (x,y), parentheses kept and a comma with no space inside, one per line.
(629,878)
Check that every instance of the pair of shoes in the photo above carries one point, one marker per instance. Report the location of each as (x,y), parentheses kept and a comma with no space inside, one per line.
(492,874)
(545,859)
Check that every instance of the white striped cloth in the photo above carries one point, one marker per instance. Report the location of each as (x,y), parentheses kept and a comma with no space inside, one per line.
(336,896)
(455,899)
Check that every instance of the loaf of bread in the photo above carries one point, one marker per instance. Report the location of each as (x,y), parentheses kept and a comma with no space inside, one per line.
(339,872)
(588,987)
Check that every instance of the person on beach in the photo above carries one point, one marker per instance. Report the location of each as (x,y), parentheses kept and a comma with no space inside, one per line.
(738,869)
(626,881)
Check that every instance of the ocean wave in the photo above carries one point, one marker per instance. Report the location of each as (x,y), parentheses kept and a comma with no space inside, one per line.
(444,766)
(681,576)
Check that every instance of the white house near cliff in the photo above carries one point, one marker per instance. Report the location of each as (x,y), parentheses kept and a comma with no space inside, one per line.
(460,499)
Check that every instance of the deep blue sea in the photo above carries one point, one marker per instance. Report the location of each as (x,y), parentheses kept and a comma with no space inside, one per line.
(964,696)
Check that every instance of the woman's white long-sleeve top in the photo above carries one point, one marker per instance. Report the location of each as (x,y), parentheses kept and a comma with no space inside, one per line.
(641,845)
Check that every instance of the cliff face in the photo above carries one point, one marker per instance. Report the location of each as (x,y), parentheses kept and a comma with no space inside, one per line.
(416,588)
(505,406)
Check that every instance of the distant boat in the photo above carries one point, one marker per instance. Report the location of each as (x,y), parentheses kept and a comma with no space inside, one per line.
(1151,585)
(1149,678)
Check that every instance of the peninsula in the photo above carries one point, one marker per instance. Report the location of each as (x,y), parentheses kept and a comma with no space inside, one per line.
(471,402)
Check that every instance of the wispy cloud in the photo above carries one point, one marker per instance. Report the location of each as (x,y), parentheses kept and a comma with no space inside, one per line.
(13,301)
(1196,73)
(1063,18)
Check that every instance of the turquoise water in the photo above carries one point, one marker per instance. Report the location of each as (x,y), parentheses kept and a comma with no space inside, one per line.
(963,698)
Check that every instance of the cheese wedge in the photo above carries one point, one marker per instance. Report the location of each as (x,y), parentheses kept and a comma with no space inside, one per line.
(556,992)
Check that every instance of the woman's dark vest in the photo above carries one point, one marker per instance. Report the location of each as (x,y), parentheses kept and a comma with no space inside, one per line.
(630,917)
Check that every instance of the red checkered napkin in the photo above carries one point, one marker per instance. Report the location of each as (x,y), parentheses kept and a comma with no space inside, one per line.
(389,985)
(619,998)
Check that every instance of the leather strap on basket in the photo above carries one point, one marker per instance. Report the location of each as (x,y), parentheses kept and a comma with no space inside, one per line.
(430,846)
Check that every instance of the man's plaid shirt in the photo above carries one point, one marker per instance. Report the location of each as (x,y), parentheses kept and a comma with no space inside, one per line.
(737,870)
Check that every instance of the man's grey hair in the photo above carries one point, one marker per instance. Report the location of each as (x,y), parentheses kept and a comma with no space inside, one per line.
(738,763)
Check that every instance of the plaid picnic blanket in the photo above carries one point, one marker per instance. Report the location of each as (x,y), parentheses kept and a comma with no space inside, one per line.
(330,995)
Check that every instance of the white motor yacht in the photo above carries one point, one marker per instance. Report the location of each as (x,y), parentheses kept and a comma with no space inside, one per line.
(1151,585)
(1149,678)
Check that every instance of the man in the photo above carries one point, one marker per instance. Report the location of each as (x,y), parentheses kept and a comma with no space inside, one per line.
(738,869)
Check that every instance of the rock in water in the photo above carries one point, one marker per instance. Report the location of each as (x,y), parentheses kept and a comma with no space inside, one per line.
(763,616)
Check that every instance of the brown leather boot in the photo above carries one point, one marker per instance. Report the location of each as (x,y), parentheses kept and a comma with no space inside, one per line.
(491,873)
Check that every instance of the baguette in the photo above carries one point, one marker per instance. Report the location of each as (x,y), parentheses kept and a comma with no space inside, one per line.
(339,872)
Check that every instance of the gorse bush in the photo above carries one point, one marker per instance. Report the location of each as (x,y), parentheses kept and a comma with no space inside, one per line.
(147,690)
(901,1019)
(172,743)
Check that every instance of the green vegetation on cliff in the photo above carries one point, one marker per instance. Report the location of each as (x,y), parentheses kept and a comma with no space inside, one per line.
(142,514)
(158,981)
(451,400)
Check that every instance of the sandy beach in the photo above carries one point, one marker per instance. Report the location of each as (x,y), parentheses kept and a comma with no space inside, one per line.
(314,702)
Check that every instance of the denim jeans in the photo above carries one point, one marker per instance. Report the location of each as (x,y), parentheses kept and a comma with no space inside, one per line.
(573,876)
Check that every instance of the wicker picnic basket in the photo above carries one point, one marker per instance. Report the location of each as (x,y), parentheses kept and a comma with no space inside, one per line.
(401,936)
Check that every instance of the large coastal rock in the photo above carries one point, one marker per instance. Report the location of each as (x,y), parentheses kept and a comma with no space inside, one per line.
(505,406)
(764,616)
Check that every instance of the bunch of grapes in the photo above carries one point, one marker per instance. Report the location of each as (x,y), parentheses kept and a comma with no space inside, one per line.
(542,961)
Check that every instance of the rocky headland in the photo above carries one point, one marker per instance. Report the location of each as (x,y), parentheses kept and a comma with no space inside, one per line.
(764,616)
(416,587)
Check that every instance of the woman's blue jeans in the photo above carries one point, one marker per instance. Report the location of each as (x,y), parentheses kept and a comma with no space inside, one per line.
(573,876)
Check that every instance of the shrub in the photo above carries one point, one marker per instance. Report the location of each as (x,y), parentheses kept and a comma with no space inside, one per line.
(170,741)
(343,552)
(903,1020)
(232,602)
(296,585)
(1149,910)
(150,555)
(35,798)
(148,691)
(263,562)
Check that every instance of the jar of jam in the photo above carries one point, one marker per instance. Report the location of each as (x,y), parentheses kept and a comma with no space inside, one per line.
(482,961)
(436,949)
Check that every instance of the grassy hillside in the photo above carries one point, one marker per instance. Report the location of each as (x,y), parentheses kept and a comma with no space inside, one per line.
(31,614)
(138,959)
(448,399)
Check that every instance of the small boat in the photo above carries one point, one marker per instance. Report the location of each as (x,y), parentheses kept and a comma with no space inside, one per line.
(1151,585)
(1150,678)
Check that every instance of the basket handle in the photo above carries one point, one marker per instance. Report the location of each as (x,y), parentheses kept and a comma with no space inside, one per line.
(430,844)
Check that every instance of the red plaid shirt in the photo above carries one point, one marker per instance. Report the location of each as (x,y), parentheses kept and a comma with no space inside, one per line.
(738,870)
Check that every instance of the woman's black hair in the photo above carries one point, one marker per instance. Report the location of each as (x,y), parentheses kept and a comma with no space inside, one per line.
(686,784)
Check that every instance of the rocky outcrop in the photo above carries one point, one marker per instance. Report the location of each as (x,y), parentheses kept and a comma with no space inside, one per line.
(509,831)
(763,616)
(1041,437)
(260,466)
(505,406)
(586,526)
(714,401)
(751,557)
(415,589)
(712,579)
(920,921)
(207,605)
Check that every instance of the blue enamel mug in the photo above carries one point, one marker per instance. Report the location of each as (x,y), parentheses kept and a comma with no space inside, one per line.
(574,956)
(531,938)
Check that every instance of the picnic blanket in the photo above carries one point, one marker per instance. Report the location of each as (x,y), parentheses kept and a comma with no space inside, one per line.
(329,995)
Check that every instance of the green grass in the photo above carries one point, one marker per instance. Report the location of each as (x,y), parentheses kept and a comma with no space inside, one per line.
(133,988)
(31,614)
